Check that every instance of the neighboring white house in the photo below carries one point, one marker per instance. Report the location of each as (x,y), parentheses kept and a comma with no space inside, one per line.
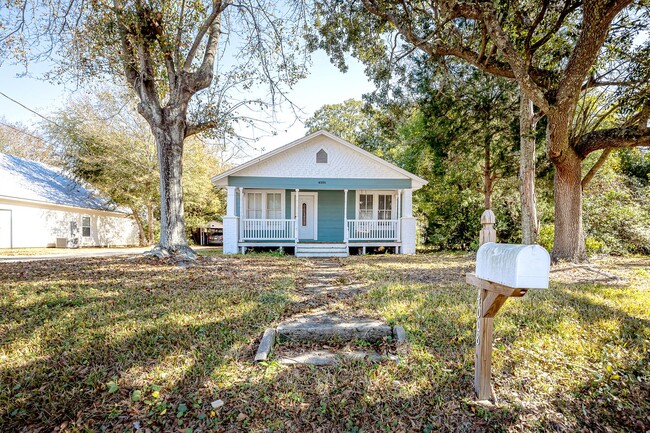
(41,207)
(319,195)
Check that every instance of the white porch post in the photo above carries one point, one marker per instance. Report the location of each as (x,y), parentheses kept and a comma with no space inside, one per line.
(408,203)
(398,214)
(346,235)
(407,223)
(296,228)
(241,214)
(232,199)
(230,223)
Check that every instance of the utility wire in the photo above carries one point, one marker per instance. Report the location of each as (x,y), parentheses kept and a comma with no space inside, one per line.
(30,110)
(24,132)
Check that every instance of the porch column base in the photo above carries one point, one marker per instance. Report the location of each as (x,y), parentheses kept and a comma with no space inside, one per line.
(230,234)
(408,235)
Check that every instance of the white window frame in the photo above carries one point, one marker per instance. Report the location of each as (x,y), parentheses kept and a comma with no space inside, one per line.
(90,225)
(264,193)
(375,204)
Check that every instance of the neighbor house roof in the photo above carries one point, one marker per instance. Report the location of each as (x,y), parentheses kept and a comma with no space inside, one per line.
(219,179)
(32,181)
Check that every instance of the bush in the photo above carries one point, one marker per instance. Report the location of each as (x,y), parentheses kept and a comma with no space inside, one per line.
(546,234)
(617,214)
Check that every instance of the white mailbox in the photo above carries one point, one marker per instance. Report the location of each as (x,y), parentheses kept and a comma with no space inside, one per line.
(517,266)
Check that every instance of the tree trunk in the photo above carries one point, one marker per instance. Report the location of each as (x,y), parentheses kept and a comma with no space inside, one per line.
(529,224)
(150,240)
(487,175)
(568,242)
(138,221)
(169,141)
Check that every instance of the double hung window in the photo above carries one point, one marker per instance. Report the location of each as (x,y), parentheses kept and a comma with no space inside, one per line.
(274,205)
(264,205)
(254,208)
(85,226)
(385,209)
(366,202)
(375,206)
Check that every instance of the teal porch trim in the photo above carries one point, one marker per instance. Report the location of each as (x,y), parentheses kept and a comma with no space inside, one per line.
(316,184)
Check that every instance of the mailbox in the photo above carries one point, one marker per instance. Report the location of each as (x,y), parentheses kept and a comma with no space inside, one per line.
(517,266)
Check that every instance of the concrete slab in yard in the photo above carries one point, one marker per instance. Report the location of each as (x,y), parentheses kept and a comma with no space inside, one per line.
(323,328)
(326,357)
(266,345)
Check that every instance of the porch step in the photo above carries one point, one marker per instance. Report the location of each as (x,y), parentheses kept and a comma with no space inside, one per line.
(321,250)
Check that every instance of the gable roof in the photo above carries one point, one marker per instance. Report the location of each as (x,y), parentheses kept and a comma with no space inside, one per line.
(417,182)
(22,179)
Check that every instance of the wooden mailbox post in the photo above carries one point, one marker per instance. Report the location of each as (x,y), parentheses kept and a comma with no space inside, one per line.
(502,271)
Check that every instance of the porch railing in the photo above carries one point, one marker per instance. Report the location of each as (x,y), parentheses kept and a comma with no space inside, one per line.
(373,230)
(266,229)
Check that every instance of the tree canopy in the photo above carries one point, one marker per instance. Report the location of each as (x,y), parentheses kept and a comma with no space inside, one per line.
(555,50)
(190,63)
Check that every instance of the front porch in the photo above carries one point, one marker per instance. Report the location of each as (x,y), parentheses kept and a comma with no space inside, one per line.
(319,222)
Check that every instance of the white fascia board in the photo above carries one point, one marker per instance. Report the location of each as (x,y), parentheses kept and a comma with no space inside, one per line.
(22,201)
(222,179)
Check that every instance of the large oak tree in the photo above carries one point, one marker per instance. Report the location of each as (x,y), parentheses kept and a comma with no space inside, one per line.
(191,63)
(554,49)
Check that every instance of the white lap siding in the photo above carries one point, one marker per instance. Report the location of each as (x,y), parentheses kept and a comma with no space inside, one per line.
(38,225)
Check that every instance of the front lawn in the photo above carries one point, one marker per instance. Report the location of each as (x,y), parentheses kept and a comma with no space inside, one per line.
(117,344)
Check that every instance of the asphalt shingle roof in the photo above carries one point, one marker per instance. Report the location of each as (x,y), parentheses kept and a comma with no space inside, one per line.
(29,180)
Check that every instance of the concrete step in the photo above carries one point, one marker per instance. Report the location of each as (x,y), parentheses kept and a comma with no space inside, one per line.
(326,328)
(322,250)
(323,254)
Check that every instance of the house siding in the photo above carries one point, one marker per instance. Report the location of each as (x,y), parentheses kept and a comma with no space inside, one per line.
(38,225)
(330,216)
(342,161)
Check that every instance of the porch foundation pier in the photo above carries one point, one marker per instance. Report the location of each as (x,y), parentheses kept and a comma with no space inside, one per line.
(230,223)
(407,224)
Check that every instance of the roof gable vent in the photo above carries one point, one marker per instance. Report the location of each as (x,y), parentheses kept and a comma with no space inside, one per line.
(321,157)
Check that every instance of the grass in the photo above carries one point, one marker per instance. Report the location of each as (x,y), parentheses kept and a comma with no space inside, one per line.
(110,344)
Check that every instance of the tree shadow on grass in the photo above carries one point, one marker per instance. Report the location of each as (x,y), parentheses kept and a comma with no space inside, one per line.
(62,349)
(435,321)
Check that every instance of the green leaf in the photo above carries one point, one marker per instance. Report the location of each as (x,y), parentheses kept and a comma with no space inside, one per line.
(136,395)
(112,387)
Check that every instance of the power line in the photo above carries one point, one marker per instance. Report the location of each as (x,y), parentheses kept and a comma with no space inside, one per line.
(24,132)
(30,110)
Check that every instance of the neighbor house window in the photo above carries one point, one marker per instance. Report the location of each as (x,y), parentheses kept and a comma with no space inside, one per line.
(274,205)
(85,226)
(366,206)
(385,208)
(254,208)
(321,157)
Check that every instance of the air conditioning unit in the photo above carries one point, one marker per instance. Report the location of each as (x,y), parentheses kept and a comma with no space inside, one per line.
(62,242)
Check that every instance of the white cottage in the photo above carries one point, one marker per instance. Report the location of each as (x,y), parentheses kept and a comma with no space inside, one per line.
(41,207)
(321,196)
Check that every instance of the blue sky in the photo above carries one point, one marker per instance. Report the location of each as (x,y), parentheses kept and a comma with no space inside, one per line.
(324,85)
